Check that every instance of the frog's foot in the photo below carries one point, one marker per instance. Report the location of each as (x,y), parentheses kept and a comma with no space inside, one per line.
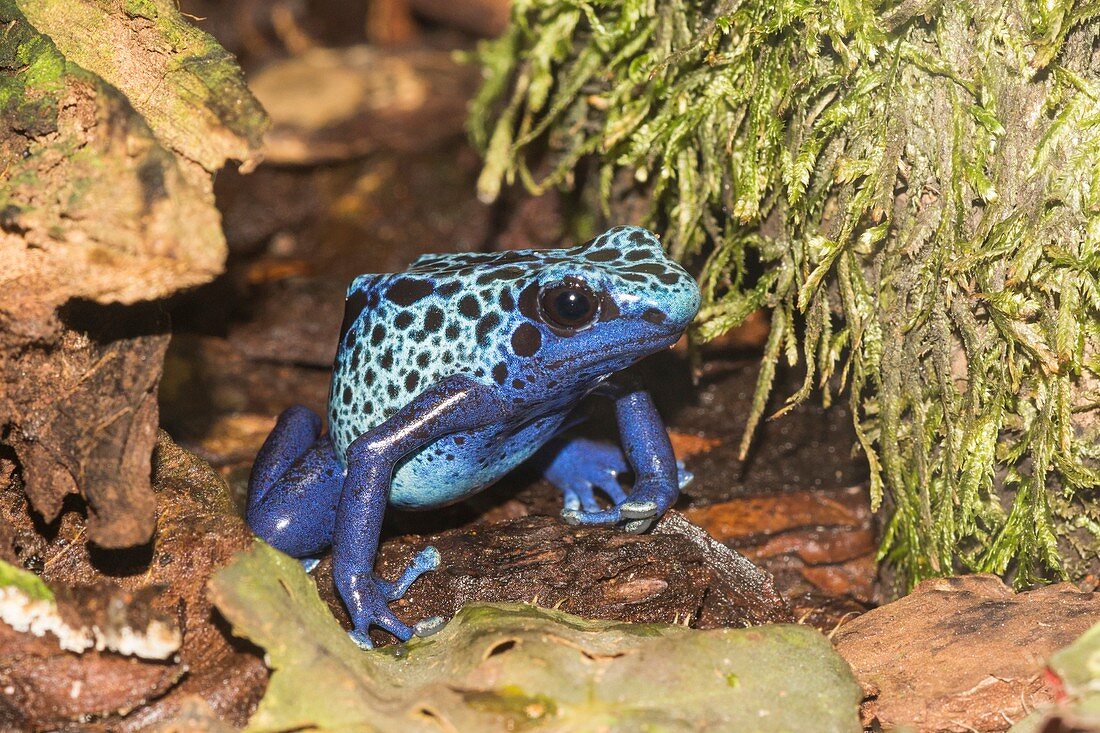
(427,559)
(636,513)
(370,597)
(582,465)
(309,564)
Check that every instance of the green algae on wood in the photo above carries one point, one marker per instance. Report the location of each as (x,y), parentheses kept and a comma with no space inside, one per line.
(188,88)
(517,667)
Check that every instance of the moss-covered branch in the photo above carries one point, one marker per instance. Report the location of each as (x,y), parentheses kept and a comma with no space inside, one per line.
(916,181)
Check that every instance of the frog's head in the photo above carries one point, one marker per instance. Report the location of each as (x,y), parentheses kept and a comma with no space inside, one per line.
(599,307)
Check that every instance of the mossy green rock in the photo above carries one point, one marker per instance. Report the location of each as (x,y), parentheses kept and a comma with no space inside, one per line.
(179,79)
(512,667)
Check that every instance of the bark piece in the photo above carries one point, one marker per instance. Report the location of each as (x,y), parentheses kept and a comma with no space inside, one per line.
(197,534)
(96,212)
(187,88)
(962,654)
(673,575)
(813,541)
(46,688)
(481,17)
(83,415)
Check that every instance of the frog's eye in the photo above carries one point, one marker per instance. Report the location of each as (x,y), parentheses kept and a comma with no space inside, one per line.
(569,305)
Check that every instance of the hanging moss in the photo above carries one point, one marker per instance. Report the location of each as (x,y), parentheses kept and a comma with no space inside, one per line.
(918,184)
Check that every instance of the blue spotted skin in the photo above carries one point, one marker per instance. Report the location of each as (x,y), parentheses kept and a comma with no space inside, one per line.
(450,374)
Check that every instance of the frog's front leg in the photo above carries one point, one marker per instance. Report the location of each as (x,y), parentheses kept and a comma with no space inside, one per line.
(452,405)
(657,475)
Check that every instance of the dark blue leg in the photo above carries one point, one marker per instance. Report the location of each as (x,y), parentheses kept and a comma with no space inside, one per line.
(295,431)
(577,466)
(295,487)
(649,452)
(453,405)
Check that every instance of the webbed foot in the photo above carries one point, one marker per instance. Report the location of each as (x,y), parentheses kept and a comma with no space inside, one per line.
(425,560)
(582,465)
(369,597)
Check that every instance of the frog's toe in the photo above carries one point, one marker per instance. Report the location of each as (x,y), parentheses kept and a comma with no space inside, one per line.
(427,559)
(429,626)
(309,564)
(604,516)
(361,639)
(683,476)
(638,526)
(578,496)
(638,510)
(385,620)
(394,625)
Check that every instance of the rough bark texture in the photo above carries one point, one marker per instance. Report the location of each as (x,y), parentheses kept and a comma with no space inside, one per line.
(675,574)
(113,118)
(197,534)
(962,654)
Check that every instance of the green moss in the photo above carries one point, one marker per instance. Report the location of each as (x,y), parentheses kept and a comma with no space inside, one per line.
(187,87)
(140,9)
(27,583)
(31,74)
(909,187)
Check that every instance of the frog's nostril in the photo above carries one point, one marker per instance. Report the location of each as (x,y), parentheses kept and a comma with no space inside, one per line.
(654,316)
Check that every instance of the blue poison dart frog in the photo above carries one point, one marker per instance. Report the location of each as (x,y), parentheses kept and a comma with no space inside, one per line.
(450,374)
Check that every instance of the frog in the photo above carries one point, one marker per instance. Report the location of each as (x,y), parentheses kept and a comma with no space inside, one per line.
(453,372)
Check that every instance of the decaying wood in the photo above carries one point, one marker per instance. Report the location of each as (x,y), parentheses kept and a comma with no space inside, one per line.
(114,121)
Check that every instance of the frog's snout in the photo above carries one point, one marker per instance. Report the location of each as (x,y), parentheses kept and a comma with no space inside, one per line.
(672,309)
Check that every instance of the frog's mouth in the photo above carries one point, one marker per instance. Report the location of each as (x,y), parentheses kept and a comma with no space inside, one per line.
(636,348)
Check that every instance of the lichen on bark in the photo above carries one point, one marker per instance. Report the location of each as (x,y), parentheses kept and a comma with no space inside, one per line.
(111,125)
(909,187)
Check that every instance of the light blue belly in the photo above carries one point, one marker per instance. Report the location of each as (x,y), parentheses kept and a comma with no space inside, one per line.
(428,478)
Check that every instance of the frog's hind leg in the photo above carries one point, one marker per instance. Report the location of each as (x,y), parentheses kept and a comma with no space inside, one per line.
(658,476)
(578,466)
(295,486)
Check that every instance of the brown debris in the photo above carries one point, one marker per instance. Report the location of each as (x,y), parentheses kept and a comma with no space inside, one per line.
(84,416)
(129,219)
(46,688)
(197,534)
(962,654)
(813,541)
(676,574)
(808,449)
(481,17)
(686,445)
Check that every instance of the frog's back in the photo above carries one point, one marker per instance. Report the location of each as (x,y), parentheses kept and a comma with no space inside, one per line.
(447,314)
(479,315)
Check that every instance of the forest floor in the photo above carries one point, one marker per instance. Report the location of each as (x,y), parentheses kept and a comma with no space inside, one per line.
(367,168)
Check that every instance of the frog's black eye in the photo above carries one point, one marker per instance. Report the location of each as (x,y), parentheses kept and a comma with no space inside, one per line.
(569,305)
